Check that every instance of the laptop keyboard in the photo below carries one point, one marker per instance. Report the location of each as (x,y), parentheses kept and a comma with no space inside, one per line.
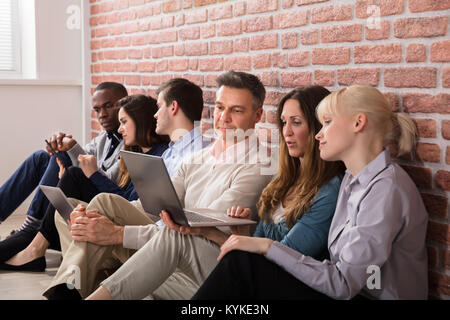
(195,217)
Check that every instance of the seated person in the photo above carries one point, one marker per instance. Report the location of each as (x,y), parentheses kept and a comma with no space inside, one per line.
(137,127)
(377,237)
(296,208)
(41,167)
(210,179)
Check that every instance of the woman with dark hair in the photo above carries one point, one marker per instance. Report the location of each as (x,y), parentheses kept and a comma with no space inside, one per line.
(137,127)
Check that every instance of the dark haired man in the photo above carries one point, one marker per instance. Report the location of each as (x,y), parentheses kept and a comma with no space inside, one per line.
(206,179)
(41,167)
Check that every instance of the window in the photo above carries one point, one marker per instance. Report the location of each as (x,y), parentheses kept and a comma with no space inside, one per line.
(17,39)
(9,37)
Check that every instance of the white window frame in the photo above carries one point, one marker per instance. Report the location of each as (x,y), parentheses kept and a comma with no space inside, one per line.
(24,41)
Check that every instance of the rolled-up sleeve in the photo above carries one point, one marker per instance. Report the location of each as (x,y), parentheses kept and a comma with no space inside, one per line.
(367,239)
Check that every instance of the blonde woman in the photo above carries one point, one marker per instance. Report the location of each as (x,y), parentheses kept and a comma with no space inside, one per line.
(377,237)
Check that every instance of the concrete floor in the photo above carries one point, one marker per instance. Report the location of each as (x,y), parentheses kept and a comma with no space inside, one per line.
(25,285)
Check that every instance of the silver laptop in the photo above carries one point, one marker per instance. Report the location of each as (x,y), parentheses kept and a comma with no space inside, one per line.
(59,200)
(156,193)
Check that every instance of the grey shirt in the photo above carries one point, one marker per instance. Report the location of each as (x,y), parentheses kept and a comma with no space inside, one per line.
(99,147)
(380,222)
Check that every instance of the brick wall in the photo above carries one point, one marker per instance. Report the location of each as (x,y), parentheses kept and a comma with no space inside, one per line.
(401,47)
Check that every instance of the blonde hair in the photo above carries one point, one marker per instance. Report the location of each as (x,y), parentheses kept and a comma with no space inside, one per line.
(395,128)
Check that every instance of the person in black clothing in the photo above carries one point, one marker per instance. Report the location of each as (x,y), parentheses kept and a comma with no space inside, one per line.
(137,127)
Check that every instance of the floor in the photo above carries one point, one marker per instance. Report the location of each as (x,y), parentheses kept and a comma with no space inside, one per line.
(25,285)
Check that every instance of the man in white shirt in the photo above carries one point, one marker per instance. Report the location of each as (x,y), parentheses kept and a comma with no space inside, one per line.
(208,179)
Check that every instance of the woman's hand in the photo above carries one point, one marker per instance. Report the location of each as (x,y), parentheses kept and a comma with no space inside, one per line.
(88,164)
(62,169)
(243,213)
(249,244)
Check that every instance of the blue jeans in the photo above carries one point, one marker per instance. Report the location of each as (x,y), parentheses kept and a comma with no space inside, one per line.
(39,168)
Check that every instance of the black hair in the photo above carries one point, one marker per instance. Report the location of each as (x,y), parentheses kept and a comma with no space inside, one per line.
(117,87)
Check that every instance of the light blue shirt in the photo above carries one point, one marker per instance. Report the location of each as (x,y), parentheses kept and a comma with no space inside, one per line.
(191,142)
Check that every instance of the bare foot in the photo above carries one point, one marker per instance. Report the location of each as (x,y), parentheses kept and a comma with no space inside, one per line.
(35,249)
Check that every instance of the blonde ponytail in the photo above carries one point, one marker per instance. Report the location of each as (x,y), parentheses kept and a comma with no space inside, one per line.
(405,133)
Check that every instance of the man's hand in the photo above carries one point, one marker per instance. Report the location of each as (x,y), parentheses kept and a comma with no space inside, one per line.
(96,228)
(181,229)
(88,164)
(61,142)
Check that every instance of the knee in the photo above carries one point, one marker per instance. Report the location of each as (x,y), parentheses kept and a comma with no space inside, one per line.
(41,156)
(103,202)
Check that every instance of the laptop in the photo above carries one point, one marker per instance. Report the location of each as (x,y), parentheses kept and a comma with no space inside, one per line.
(59,200)
(156,193)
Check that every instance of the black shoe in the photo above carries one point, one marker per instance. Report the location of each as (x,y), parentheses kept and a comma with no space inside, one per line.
(37,265)
(16,243)
(62,292)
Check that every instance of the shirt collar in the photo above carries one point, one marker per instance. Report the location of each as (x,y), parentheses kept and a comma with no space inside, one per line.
(185,140)
(371,170)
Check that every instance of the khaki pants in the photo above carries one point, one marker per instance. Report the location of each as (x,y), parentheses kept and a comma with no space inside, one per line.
(82,261)
(169,266)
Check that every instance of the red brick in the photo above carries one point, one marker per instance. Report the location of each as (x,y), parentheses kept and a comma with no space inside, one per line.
(193,64)
(162,66)
(341,33)
(238,63)
(421,176)
(295,79)
(229,28)
(331,56)
(179,65)
(438,232)
(273,98)
(241,45)
(208,31)
(170,6)
(196,48)
(331,13)
(240,8)
(132,80)
(393,100)
(261,42)
(446,77)
(269,79)
(221,47)
(425,103)
(426,127)
(358,76)
(324,77)
(192,33)
(209,96)
(418,77)
(388,53)
(436,205)
(306,2)
(195,78)
(210,80)
(260,6)
(197,16)
(420,27)
(310,36)
(256,24)
(219,13)
(289,40)
(261,61)
(428,5)
(291,19)
(287,4)
(446,129)
(443,180)
(386,8)
(439,282)
(279,60)
(440,51)
(433,257)
(447,155)
(428,152)
(298,58)
(378,32)
(416,53)
(211,64)
(199,3)
(146,66)
(446,259)
(169,36)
